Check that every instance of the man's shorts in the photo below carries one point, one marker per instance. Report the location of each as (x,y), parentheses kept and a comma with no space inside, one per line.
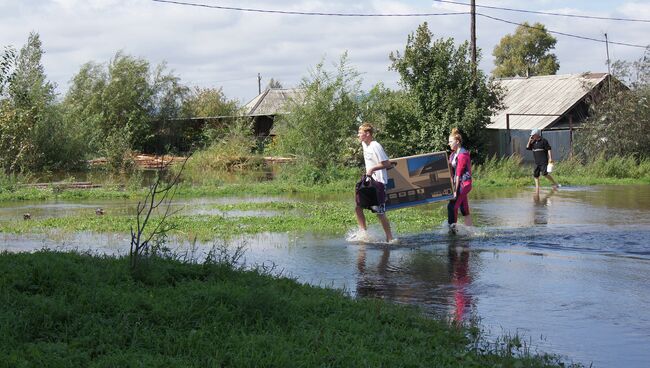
(540,169)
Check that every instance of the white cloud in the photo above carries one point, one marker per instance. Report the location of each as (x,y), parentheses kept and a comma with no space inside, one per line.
(212,48)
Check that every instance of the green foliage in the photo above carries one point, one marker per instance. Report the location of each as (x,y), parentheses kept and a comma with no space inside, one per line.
(508,167)
(116,148)
(33,135)
(10,183)
(618,122)
(525,53)
(117,102)
(230,151)
(187,135)
(208,102)
(504,172)
(614,167)
(306,174)
(321,125)
(392,113)
(83,104)
(438,77)
(7,64)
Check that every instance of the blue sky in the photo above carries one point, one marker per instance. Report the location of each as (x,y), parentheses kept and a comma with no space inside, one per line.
(220,48)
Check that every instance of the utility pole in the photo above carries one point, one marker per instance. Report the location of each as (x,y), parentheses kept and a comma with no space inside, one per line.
(609,71)
(473,38)
(259,84)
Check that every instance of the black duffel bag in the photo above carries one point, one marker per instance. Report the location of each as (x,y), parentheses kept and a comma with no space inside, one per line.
(366,192)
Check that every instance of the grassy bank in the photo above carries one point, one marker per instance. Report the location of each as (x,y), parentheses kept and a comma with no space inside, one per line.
(22,193)
(508,172)
(70,310)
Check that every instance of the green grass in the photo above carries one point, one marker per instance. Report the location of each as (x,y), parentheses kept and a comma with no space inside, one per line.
(20,193)
(510,172)
(71,310)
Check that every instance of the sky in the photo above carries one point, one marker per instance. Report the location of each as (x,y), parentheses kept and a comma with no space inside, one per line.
(215,48)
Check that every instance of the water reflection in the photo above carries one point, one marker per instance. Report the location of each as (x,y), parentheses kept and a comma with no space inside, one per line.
(460,279)
(374,282)
(436,274)
(541,204)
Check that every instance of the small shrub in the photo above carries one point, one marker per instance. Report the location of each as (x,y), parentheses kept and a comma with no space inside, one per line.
(230,153)
(494,168)
(302,172)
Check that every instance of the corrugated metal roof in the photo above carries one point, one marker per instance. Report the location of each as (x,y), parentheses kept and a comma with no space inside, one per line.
(273,101)
(548,94)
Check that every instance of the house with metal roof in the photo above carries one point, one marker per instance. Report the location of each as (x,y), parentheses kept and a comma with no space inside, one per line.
(555,104)
(267,105)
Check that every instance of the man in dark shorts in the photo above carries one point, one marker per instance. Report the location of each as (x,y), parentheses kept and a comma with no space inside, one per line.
(542,153)
(376,162)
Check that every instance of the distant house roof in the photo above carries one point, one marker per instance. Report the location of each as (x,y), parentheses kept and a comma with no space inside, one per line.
(273,101)
(548,94)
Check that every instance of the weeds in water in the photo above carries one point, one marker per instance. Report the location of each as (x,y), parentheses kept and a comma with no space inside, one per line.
(334,217)
(222,254)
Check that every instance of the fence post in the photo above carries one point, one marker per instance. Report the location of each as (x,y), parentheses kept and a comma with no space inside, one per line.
(508,145)
(570,136)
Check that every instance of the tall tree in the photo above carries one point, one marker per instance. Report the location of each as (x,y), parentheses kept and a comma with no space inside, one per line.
(393,113)
(438,77)
(525,53)
(618,122)
(118,101)
(321,125)
(29,117)
(7,65)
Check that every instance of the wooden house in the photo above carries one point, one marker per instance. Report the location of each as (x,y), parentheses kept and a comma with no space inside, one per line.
(555,104)
(264,108)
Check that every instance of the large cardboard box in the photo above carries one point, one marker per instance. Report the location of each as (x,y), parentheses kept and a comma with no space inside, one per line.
(419,179)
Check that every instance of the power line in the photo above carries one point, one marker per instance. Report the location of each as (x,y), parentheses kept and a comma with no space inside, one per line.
(548,13)
(285,12)
(307,13)
(561,33)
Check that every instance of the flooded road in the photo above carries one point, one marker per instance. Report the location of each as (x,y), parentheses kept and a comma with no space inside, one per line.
(568,271)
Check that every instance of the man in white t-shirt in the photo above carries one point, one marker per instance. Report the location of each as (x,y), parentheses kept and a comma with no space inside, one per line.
(376,162)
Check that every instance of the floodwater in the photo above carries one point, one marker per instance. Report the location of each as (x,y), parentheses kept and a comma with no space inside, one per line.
(568,271)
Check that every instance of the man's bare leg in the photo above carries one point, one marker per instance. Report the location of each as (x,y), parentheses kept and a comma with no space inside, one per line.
(549,177)
(361,218)
(386,225)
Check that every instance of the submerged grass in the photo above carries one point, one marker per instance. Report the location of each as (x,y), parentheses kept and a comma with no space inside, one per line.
(296,217)
(72,310)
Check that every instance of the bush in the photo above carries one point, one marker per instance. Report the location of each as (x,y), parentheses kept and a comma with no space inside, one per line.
(319,126)
(304,173)
(494,168)
(229,154)
(618,167)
